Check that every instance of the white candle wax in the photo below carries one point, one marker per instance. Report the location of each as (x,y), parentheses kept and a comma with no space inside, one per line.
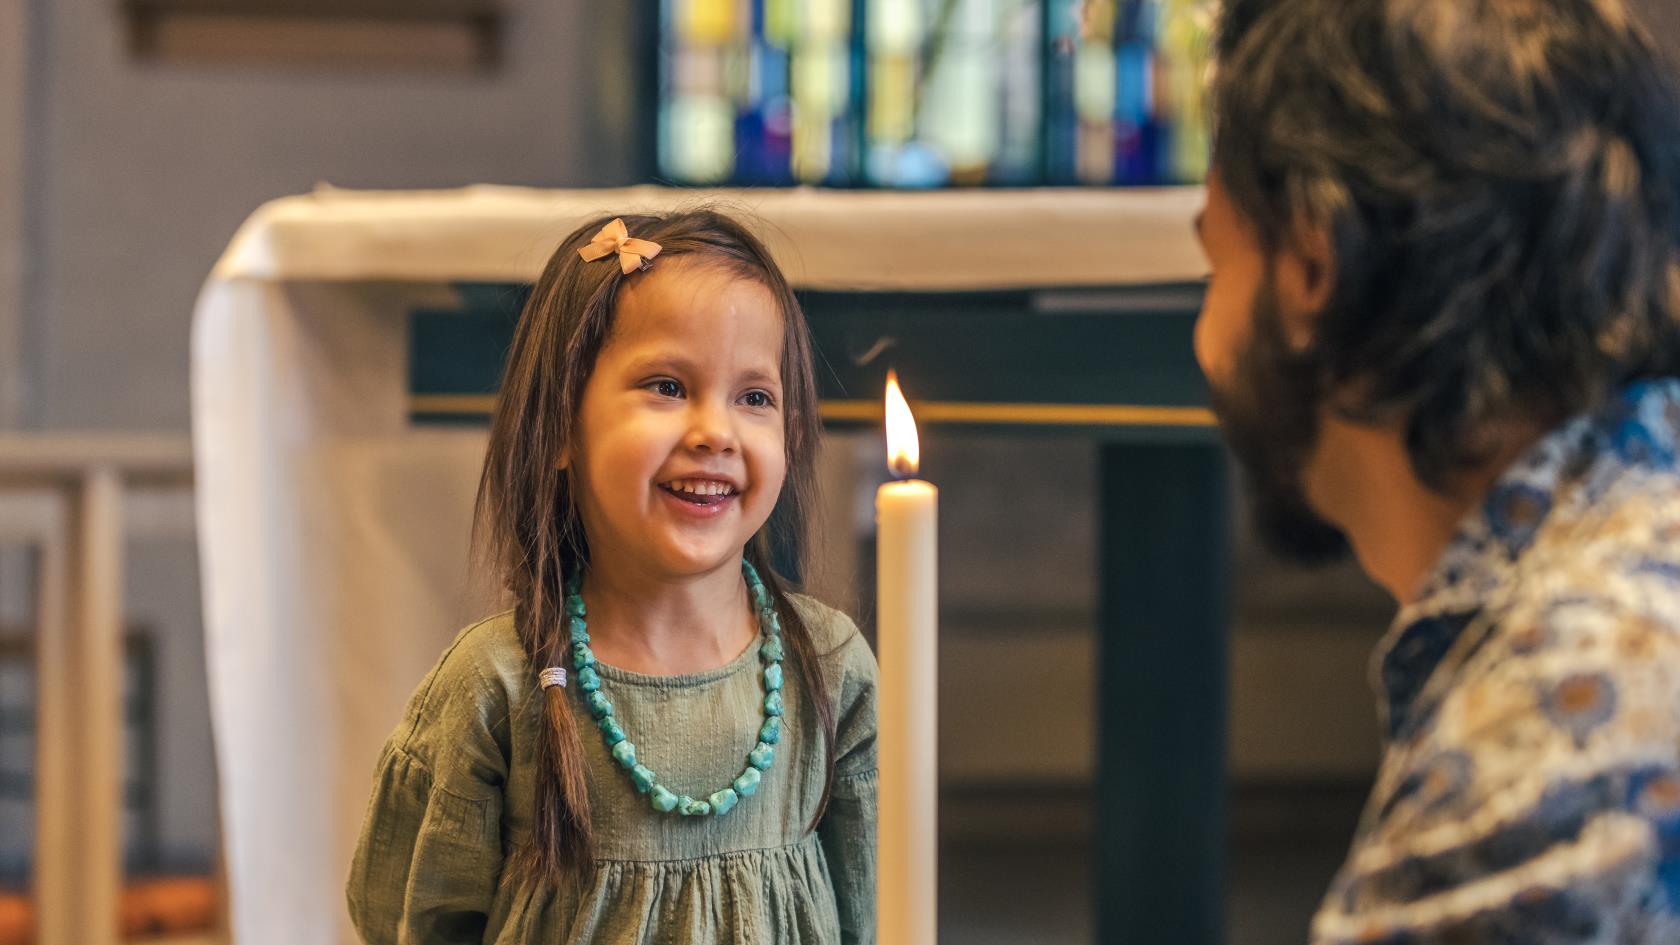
(907,518)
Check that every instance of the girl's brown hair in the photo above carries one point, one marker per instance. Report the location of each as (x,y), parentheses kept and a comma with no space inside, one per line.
(527,524)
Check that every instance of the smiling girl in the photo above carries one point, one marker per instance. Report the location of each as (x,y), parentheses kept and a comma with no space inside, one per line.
(659,742)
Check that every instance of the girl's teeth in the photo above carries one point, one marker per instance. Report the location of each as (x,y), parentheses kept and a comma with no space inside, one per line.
(700,487)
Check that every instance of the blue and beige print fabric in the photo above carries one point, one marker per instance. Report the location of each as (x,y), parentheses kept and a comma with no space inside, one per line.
(1530,786)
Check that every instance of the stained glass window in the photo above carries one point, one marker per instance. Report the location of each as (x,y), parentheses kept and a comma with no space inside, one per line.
(933,93)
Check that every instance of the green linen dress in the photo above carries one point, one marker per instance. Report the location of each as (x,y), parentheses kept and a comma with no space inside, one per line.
(454,788)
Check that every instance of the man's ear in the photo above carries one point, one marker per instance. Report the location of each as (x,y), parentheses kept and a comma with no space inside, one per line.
(1305,271)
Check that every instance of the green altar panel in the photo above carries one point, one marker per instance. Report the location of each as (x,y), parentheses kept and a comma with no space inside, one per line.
(1164,618)
(1115,365)
(1035,349)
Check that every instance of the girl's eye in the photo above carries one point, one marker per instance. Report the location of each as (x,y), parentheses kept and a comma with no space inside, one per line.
(666,388)
(756,398)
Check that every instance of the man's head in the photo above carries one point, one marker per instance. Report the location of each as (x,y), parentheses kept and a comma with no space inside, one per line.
(1445,218)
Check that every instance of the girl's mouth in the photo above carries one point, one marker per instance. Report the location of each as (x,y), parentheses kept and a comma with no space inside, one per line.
(704,493)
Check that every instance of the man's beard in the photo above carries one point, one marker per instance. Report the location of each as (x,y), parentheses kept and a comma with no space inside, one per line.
(1269,416)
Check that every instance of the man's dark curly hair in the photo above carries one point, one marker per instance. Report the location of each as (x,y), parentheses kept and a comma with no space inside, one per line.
(1500,182)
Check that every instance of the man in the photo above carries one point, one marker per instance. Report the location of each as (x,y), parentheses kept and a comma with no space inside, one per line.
(1443,330)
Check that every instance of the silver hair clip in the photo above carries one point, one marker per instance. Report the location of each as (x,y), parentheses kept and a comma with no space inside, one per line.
(553,676)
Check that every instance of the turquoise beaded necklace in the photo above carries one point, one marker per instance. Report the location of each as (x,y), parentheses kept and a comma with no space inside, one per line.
(623,750)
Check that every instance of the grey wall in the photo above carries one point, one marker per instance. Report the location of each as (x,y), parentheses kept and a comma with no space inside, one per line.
(14,66)
(145,170)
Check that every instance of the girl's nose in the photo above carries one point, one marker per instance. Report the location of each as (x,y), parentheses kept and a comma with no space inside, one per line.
(710,429)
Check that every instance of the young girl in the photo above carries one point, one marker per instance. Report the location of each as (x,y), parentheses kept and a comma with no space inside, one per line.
(659,742)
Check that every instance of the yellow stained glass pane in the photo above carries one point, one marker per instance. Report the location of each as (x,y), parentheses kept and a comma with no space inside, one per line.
(1186,37)
(781,23)
(1096,20)
(826,21)
(892,99)
(706,22)
(819,96)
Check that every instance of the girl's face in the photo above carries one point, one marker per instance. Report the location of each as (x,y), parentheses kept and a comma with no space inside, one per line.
(680,455)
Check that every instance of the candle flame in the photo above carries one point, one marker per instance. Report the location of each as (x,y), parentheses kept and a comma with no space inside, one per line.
(904,448)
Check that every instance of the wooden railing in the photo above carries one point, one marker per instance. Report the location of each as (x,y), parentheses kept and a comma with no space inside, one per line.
(65,496)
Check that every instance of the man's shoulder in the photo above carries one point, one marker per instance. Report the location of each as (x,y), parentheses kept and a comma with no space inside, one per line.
(1618,555)
(1589,623)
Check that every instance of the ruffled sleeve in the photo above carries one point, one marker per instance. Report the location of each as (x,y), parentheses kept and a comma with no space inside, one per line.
(428,859)
(847,830)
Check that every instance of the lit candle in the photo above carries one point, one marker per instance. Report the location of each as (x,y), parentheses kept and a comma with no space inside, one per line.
(907,610)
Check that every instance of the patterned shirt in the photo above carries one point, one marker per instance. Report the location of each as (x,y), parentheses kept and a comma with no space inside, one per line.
(1530,786)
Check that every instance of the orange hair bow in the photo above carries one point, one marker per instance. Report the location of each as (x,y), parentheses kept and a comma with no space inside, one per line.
(633,253)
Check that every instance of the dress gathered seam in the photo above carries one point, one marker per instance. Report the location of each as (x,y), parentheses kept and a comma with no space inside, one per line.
(807,840)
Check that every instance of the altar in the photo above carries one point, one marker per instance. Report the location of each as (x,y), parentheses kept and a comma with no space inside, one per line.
(346,349)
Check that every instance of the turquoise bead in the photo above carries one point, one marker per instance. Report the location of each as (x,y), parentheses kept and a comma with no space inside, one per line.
(772,649)
(760,596)
(582,656)
(761,757)
(588,680)
(578,629)
(643,777)
(723,801)
(599,705)
(750,573)
(611,731)
(662,800)
(773,704)
(771,731)
(574,606)
(770,621)
(689,807)
(772,677)
(747,784)
(625,754)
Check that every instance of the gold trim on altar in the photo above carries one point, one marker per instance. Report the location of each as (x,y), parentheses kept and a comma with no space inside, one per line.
(943,412)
